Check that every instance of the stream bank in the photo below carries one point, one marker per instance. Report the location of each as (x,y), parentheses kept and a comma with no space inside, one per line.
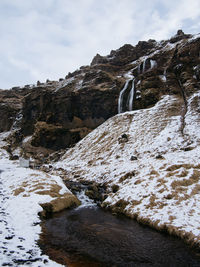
(91,236)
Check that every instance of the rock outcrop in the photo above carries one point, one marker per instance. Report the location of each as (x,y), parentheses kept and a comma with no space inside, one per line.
(149,163)
(147,159)
(10,107)
(60,113)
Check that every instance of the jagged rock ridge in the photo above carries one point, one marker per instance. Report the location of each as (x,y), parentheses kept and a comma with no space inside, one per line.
(57,114)
(148,158)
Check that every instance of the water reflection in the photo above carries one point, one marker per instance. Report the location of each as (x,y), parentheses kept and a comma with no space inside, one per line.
(90,236)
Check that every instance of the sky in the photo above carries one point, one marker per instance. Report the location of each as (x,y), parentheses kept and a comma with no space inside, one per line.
(46,39)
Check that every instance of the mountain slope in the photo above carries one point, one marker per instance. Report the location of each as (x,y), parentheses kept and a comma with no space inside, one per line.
(147,156)
(57,114)
(152,158)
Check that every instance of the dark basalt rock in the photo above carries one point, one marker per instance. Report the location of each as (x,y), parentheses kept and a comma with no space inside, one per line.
(53,137)
(133,158)
(10,105)
(60,113)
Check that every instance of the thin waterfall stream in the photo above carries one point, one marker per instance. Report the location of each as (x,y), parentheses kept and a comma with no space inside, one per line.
(120,100)
(131,96)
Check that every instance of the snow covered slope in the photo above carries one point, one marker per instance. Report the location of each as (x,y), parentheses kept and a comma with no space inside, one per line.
(153,155)
(22,190)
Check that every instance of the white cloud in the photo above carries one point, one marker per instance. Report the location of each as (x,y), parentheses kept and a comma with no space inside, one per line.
(48,38)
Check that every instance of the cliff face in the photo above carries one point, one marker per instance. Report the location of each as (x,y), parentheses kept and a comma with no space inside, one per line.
(10,106)
(149,159)
(57,114)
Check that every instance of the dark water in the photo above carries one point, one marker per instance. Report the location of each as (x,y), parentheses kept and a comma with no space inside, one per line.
(93,237)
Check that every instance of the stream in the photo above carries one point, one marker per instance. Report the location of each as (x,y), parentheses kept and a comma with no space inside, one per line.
(89,236)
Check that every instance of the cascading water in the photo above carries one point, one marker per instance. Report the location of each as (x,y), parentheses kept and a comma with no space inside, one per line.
(131,96)
(120,100)
(138,68)
(153,63)
(164,77)
(86,202)
(144,65)
(18,120)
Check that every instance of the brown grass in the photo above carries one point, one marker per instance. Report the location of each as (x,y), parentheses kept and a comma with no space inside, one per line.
(186,166)
(160,204)
(182,198)
(153,172)
(169,196)
(18,191)
(119,206)
(65,201)
(161,181)
(152,202)
(34,174)
(178,166)
(195,190)
(128,175)
(194,178)
(183,173)
(139,181)
(161,190)
(171,218)
(101,137)
(135,202)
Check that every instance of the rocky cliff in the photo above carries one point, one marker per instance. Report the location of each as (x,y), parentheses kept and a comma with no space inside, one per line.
(133,119)
(57,114)
(149,159)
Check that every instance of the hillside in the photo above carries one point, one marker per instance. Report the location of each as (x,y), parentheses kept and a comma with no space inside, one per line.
(152,164)
(128,123)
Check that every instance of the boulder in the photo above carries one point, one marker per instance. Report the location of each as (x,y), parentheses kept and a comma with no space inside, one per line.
(65,201)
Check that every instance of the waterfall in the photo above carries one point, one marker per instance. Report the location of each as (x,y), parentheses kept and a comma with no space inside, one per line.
(131,96)
(164,77)
(120,100)
(153,63)
(139,66)
(85,201)
(144,65)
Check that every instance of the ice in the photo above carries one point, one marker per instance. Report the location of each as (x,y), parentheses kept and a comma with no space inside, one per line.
(153,63)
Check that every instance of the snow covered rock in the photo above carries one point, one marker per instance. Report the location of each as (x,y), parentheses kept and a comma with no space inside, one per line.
(92,94)
(161,191)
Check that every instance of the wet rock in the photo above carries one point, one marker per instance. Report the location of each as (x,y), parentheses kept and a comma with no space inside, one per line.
(188,148)
(123,139)
(115,188)
(65,201)
(159,156)
(9,237)
(14,157)
(93,192)
(133,158)
(119,206)
(74,187)
(52,136)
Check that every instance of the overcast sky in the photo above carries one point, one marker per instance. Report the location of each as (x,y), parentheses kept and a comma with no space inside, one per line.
(43,39)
